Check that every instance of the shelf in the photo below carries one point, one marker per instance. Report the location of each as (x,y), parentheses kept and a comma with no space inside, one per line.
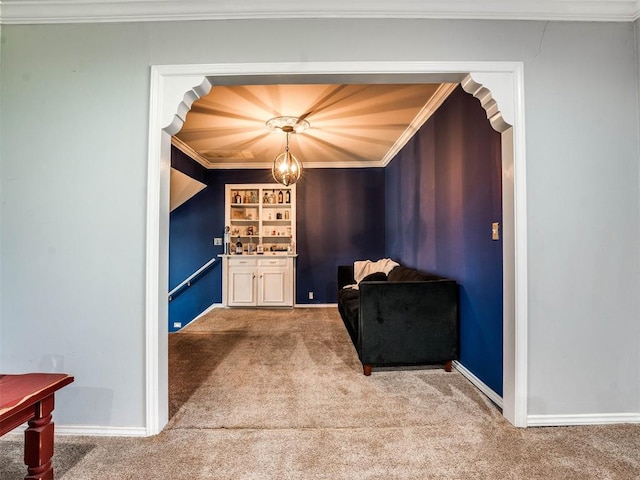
(253,216)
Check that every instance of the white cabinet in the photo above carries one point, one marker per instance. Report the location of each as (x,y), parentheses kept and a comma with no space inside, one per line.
(260,215)
(258,282)
(275,286)
(242,285)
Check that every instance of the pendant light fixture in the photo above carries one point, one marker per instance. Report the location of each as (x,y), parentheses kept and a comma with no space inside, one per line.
(286,167)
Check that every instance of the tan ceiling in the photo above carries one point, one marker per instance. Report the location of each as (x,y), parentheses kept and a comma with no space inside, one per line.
(350,125)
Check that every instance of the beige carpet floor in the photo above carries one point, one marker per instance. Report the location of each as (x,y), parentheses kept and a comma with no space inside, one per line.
(280,394)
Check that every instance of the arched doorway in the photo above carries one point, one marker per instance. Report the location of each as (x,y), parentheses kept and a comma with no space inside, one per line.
(498,86)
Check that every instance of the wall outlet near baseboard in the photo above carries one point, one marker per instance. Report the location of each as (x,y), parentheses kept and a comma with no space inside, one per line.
(310,295)
(217,241)
(177,324)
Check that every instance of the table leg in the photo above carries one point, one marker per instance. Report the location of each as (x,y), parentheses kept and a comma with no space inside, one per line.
(38,442)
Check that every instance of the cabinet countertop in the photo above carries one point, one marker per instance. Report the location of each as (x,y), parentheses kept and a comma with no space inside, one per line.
(265,254)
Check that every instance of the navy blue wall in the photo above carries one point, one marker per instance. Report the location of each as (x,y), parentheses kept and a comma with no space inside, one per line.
(191,231)
(443,192)
(340,218)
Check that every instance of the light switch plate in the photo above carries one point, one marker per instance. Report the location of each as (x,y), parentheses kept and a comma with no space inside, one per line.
(495,231)
(217,241)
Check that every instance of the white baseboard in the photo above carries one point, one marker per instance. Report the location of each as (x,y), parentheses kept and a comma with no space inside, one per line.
(493,396)
(581,419)
(97,431)
(211,307)
(83,431)
(315,305)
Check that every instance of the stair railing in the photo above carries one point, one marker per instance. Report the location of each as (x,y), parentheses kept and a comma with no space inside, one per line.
(190,279)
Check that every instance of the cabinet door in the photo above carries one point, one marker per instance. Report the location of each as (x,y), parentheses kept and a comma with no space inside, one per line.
(274,287)
(241,284)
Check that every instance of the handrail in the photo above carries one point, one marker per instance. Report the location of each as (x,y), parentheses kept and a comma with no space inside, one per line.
(187,282)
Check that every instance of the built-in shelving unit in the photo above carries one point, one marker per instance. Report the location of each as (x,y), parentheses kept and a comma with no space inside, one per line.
(262,218)
(261,214)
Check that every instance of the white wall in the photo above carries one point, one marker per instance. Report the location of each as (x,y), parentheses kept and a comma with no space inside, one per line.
(74,121)
(73,149)
(583,189)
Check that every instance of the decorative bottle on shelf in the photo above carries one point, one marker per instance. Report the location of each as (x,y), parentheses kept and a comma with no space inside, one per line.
(280,197)
(288,197)
(238,247)
(237,198)
(227,240)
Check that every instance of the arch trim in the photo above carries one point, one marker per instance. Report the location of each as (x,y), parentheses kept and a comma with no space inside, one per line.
(500,87)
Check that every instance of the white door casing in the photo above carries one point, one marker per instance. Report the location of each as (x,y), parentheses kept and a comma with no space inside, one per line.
(498,85)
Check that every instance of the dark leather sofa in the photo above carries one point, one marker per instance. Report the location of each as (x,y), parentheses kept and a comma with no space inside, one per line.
(405,318)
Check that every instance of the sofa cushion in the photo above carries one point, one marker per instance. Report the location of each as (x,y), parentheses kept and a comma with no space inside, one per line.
(405,274)
(349,308)
(375,277)
(348,294)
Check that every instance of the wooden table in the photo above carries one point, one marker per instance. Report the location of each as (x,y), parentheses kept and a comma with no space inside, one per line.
(29,398)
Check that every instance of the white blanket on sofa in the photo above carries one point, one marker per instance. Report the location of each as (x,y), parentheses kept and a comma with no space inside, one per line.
(362,268)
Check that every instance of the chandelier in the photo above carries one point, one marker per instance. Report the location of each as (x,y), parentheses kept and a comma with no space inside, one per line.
(286,167)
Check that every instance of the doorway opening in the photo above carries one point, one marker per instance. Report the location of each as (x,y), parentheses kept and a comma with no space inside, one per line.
(498,86)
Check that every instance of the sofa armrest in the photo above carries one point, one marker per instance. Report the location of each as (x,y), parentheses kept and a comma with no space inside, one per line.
(406,323)
(345,276)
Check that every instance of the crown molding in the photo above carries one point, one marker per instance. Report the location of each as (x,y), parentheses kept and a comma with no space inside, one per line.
(190,152)
(437,99)
(96,11)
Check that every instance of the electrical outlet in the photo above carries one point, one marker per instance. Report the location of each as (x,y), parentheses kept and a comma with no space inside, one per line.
(177,324)
(217,241)
(310,295)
